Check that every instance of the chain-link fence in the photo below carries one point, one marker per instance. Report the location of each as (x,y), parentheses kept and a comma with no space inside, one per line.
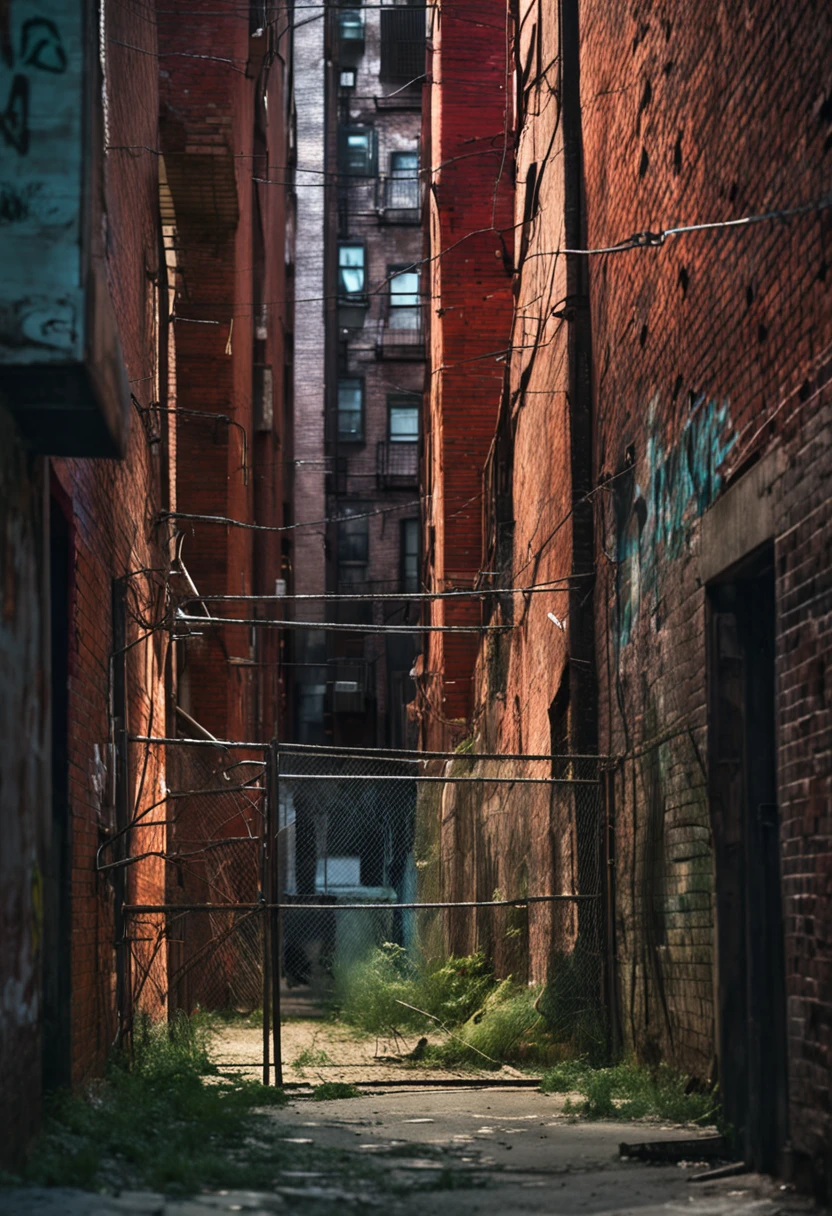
(336,881)
(496,860)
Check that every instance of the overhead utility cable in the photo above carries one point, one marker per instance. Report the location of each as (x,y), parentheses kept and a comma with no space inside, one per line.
(418,596)
(309,523)
(332,626)
(647,239)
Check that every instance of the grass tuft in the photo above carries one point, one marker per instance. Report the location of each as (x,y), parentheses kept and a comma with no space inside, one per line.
(163,1121)
(488,1021)
(330,1090)
(386,990)
(505,1028)
(310,1058)
(627,1091)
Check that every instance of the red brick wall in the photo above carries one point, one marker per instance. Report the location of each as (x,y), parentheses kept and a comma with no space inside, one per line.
(707,352)
(703,351)
(113,534)
(470,246)
(211,86)
(225,157)
(110,508)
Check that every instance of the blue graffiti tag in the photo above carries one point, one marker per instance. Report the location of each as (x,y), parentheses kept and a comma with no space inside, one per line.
(653,523)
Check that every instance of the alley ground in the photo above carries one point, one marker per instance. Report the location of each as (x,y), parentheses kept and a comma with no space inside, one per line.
(316,1049)
(442,1152)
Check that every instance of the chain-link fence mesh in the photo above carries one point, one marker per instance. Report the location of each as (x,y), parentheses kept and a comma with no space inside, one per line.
(361,880)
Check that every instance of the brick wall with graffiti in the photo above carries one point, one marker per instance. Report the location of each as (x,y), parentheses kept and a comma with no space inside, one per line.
(710,349)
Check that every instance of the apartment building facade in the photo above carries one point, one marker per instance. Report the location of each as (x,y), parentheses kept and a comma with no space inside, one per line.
(358,367)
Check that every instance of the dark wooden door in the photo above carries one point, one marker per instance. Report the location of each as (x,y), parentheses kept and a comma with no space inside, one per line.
(751,998)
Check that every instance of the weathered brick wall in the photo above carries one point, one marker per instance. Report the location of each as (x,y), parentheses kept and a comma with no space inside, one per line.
(708,352)
(470,247)
(223,132)
(112,508)
(232,276)
(115,538)
(704,350)
(803,557)
(517,840)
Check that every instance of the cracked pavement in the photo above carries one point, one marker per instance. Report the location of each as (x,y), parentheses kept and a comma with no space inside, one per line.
(453,1153)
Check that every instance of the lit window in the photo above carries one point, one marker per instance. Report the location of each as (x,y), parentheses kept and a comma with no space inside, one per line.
(347,78)
(404,164)
(405,310)
(351,269)
(351,25)
(403,413)
(350,411)
(357,151)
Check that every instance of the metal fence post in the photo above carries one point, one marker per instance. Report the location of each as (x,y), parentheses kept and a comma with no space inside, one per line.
(265,896)
(608,896)
(276,911)
(118,712)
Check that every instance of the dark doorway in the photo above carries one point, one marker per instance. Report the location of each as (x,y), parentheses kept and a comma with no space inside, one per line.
(751,1000)
(57,1057)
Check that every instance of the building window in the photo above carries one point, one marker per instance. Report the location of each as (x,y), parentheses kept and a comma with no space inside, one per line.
(346,78)
(353,541)
(350,270)
(402,44)
(403,184)
(351,25)
(403,418)
(405,304)
(410,555)
(404,164)
(357,151)
(351,411)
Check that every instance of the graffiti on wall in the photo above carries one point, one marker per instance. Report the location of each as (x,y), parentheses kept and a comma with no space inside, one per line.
(40,48)
(43,153)
(654,513)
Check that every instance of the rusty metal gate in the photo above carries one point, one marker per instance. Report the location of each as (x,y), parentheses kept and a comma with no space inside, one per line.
(272,874)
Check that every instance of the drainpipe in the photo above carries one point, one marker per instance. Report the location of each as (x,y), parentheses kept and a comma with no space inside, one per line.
(582,680)
(595,917)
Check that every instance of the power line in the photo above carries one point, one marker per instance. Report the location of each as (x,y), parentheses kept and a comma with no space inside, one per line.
(647,239)
(331,626)
(415,596)
(405,755)
(310,523)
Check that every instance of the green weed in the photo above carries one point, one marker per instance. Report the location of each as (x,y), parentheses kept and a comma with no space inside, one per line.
(567,1077)
(309,1058)
(331,1090)
(164,1120)
(388,991)
(502,1029)
(234,1017)
(627,1091)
